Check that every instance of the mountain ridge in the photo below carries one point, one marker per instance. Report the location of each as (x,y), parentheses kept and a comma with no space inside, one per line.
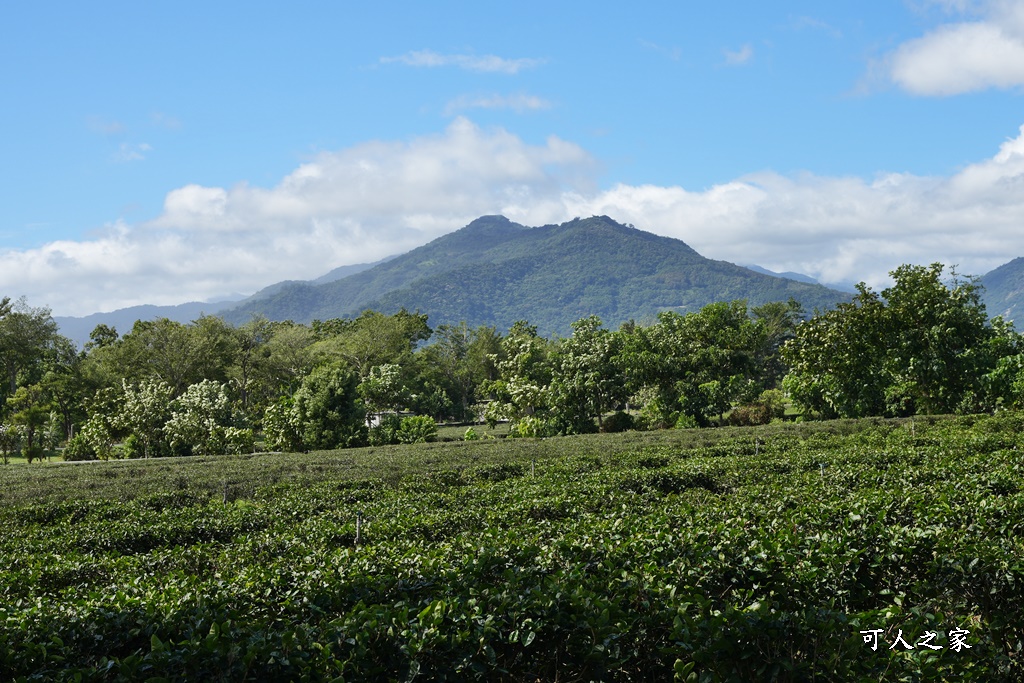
(494,271)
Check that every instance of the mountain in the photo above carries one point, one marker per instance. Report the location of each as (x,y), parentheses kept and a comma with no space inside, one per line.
(1004,290)
(494,272)
(799,277)
(77,329)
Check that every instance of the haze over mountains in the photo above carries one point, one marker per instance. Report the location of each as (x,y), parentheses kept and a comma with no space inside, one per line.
(495,271)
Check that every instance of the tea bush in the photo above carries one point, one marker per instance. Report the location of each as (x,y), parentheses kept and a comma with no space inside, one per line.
(758,554)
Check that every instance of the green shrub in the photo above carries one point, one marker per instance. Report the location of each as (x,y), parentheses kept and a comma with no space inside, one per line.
(79,448)
(471,435)
(238,441)
(618,422)
(530,428)
(386,431)
(417,429)
(131,447)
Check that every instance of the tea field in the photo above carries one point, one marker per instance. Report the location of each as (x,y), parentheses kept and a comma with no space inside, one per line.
(782,552)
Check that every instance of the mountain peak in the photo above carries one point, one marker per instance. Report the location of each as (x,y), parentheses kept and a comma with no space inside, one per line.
(494,271)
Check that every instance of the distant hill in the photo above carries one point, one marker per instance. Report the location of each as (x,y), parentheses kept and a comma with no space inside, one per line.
(789,275)
(77,329)
(494,272)
(1004,291)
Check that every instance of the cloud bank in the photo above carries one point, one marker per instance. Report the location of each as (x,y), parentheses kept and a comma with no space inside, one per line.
(965,56)
(379,198)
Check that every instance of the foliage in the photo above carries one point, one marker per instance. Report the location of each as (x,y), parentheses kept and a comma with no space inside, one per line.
(524,369)
(282,430)
(239,440)
(770,405)
(922,346)
(383,390)
(10,441)
(385,432)
(417,429)
(618,422)
(728,554)
(26,336)
(78,448)
(199,418)
(694,364)
(585,381)
(328,411)
(144,412)
(30,409)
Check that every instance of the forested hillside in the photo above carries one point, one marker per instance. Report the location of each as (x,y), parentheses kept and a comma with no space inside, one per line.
(494,272)
(1004,290)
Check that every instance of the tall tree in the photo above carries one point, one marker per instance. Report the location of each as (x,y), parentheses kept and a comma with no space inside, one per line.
(26,335)
(328,409)
(374,339)
(923,345)
(585,381)
(524,370)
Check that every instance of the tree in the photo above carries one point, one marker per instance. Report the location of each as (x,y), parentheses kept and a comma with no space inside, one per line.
(146,407)
(26,335)
(692,365)
(31,410)
(199,419)
(585,381)
(924,345)
(64,383)
(524,377)
(328,409)
(935,339)
(172,352)
(101,336)
(384,389)
(835,368)
(374,339)
(456,362)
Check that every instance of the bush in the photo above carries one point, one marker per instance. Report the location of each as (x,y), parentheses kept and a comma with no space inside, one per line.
(770,405)
(618,422)
(132,447)
(386,431)
(685,421)
(238,441)
(471,435)
(530,428)
(417,429)
(79,448)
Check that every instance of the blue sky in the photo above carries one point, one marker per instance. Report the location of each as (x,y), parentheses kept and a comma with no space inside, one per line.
(164,152)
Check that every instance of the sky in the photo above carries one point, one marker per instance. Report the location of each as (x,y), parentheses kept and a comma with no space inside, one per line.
(168,152)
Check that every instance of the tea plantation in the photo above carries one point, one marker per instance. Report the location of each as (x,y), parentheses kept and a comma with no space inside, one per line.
(777,553)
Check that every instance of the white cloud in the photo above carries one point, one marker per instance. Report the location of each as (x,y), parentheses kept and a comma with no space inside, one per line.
(964,56)
(482,63)
(378,198)
(350,206)
(519,103)
(127,151)
(738,57)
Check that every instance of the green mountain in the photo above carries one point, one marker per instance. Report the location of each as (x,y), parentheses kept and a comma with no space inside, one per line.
(494,272)
(1004,290)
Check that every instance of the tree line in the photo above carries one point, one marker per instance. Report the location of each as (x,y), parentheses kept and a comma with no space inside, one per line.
(923,345)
